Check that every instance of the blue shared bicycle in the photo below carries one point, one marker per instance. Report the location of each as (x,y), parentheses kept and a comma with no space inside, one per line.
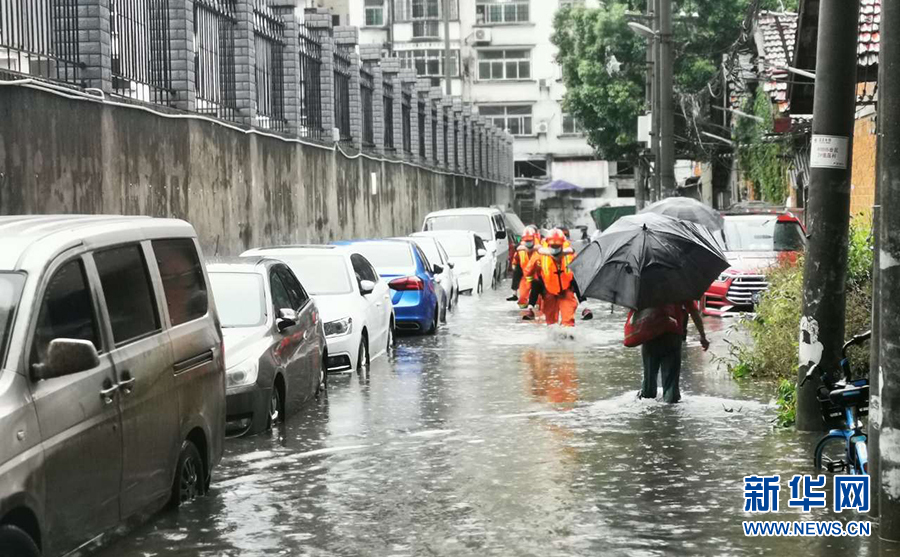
(844,401)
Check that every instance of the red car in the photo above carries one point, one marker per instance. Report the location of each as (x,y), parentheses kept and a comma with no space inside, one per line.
(752,243)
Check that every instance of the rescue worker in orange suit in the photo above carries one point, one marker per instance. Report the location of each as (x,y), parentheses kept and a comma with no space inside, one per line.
(559,302)
(524,254)
(530,242)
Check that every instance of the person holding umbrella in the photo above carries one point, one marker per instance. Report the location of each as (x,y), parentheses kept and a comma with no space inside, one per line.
(657,266)
(552,266)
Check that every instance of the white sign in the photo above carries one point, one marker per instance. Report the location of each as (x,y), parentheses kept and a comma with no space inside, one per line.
(829,151)
(643,133)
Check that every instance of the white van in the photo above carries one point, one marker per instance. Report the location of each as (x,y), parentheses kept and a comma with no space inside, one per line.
(487,222)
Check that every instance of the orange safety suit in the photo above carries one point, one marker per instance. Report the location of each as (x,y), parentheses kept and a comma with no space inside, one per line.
(559,301)
(522,260)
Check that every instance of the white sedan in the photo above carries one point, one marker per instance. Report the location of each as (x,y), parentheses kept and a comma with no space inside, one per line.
(354,302)
(473,266)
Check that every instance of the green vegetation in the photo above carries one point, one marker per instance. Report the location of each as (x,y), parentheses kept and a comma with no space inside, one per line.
(773,353)
(604,64)
(764,158)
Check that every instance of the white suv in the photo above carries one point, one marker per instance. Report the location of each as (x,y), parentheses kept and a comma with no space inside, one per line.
(487,222)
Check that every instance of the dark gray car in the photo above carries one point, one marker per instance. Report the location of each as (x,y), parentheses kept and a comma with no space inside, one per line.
(112,383)
(274,341)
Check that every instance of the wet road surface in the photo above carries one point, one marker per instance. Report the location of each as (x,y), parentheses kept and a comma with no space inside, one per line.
(500,437)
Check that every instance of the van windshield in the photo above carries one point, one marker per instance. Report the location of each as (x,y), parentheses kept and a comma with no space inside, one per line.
(10,291)
(479,224)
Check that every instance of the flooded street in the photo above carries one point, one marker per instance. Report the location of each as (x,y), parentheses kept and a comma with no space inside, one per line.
(500,437)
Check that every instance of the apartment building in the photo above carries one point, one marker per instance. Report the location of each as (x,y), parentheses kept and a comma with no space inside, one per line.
(502,62)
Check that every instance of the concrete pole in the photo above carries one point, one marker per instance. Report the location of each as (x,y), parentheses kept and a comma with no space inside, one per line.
(666,101)
(824,297)
(654,106)
(887,256)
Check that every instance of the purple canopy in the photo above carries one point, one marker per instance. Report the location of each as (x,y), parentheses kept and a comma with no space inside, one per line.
(560,185)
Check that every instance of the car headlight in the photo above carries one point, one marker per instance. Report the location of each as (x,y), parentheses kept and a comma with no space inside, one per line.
(244,373)
(339,327)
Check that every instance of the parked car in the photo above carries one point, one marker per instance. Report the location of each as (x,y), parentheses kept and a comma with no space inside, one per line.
(472,264)
(274,341)
(112,389)
(415,295)
(354,302)
(752,243)
(442,270)
(487,222)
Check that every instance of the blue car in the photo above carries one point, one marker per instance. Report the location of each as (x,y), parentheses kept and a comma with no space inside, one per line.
(411,280)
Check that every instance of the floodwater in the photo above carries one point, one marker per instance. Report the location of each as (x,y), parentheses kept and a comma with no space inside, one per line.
(502,437)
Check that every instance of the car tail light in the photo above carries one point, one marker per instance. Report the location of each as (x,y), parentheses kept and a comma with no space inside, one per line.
(407,283)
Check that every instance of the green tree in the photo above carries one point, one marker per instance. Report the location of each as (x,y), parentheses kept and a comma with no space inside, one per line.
(607,97)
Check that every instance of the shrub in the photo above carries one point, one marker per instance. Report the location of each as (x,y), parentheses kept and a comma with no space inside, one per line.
(773,353)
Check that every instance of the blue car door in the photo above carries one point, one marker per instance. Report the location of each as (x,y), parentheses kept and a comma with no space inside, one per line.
(424,272)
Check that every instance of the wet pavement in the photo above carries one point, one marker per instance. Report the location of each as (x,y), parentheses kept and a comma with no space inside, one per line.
(500,437)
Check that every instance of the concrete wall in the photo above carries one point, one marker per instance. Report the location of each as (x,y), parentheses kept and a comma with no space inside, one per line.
(239,190)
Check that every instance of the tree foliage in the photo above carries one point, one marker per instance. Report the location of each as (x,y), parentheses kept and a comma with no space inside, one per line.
(763,157)
(608,100)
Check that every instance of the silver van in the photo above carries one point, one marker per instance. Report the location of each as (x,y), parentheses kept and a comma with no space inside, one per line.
(112,381)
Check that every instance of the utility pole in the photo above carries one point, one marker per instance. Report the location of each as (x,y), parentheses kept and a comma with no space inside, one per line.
(666,159)
(654,100)
(822,322)
(448,75)
(886,410)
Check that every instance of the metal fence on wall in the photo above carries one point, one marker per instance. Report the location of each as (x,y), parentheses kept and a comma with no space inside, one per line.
(406,105)
(446,136)
(39,38)
(456,142)
(342,67)
(366,97)
(388,105)
(268,38)
(214,28)
(421,111)
(139,41)
(310,87)
(434,134)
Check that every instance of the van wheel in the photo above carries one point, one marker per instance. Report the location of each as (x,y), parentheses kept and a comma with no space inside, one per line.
(480,286)
(434,321)
(389,350)
(14,542)
(189,478)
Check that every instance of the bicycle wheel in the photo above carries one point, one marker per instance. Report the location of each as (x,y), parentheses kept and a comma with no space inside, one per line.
(833,458)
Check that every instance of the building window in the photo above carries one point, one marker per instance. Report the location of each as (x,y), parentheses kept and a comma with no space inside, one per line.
(571,125)
(427,29)
(514,119)
(426,9)
(429,63)
(375,13)
(504,64)
(570,3)
(501,11)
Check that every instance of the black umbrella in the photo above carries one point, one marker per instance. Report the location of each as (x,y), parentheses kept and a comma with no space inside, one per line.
(649,260)
(685,208)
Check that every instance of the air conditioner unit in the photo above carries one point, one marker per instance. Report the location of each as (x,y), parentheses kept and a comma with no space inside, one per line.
(543,127)
(483,36)
(544,84)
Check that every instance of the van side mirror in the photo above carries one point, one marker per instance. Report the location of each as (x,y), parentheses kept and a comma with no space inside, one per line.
(501,235)
(437,269)
(480,253)
(366,287)
(67,356)
(286,318)
(451,264)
